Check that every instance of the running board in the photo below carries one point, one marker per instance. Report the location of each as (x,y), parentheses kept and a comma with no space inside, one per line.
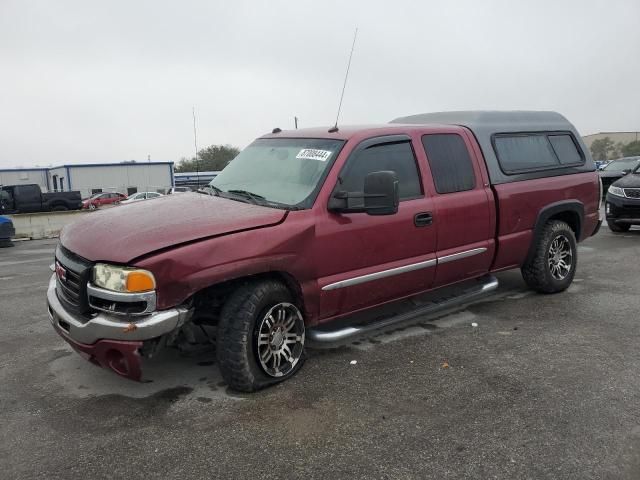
(483,286)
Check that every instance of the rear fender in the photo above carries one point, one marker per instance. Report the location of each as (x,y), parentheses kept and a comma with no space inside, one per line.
(572,210)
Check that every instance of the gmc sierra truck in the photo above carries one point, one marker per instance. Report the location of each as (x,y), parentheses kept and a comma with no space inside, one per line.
(314,236)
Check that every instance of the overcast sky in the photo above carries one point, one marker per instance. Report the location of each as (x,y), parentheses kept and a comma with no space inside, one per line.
(99,81)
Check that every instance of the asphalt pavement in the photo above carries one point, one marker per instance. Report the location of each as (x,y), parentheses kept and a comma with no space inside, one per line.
(543,387)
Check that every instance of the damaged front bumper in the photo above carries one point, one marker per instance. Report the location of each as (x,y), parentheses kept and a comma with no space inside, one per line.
(112,341)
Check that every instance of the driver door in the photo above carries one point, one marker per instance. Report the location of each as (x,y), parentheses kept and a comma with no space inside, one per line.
(364,260)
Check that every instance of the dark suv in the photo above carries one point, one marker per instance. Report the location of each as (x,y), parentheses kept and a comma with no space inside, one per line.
(623,202)
(616,169)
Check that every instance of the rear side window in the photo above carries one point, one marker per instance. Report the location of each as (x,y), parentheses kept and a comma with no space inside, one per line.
(565,149)
(536,151)
(397,157)
(450,162)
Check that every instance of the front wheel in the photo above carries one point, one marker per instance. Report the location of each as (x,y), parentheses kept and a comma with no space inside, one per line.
(618,228)
(92,206)
(59,208)
(260,337)
(553,265)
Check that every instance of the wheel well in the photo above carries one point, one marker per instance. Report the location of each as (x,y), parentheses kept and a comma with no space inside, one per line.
(571,218)
(209,301)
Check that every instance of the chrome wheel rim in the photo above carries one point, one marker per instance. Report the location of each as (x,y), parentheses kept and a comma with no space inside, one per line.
(560,257)
(280,339)
(92,206)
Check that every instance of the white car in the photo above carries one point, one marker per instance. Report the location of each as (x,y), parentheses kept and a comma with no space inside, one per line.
(136,197)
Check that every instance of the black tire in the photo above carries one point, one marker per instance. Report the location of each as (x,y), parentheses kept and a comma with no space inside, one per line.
(618,227)
(537,272)
(237,337)
(59,208)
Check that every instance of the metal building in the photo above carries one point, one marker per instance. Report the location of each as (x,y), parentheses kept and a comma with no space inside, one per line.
(128,178)
(22,176)
(194,180)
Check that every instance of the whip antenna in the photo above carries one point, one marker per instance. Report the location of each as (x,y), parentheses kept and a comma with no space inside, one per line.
(195,144)
(344,86)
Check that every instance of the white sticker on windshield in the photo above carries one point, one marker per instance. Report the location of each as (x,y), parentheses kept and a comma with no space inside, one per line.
(313,154)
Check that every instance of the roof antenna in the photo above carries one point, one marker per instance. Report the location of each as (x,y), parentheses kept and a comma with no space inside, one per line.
(335,127)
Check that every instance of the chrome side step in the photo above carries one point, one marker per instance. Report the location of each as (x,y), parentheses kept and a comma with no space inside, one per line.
(322,337)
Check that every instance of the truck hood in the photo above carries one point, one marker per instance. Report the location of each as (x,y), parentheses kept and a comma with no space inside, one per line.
(123,233)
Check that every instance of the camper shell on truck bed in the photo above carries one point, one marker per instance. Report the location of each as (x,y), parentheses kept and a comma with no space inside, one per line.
(489,127)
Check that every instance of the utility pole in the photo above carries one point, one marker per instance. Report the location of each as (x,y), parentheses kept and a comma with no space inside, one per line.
(295,120)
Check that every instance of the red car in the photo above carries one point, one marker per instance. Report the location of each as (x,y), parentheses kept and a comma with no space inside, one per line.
(104,198)
(318,235)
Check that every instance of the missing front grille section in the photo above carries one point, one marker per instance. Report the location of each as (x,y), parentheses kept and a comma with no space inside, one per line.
(122,308)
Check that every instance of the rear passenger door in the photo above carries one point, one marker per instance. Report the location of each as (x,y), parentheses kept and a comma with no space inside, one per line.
(463,216)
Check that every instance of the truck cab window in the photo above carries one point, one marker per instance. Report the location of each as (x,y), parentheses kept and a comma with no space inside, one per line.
(397,157)
(450,162)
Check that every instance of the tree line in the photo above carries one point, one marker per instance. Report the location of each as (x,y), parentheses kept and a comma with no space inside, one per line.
(212,158)
(606,149)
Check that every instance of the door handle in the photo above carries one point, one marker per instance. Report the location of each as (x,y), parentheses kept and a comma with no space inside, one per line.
(423,219)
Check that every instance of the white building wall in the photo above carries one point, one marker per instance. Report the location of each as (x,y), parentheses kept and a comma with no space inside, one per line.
(24,177)
(121,177)
(60,173)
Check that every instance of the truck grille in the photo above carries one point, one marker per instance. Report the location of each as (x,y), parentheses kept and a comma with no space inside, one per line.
(72,275)
(632,192)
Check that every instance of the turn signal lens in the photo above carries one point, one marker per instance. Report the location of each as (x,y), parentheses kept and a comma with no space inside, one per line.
(123,279)
(140,281)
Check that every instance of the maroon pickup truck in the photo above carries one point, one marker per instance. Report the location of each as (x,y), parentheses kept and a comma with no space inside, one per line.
(315,236)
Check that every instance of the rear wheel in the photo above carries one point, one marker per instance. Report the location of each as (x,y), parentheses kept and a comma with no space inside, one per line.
(59,208)
(553,265)
(260,337)
(618,227)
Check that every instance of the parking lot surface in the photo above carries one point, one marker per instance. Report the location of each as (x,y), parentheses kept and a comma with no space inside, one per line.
(543,387)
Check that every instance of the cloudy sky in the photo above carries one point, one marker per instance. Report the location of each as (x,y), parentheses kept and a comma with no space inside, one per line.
(89,81)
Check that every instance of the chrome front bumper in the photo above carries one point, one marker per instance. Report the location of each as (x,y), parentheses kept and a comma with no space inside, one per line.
(112,327)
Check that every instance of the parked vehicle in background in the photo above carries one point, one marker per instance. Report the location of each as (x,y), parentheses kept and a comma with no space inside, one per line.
(179,190)
(323,234)
(104,198)
(600,164)
(7,232)
(30,199)
(617,169)
(622,207)
(136,197)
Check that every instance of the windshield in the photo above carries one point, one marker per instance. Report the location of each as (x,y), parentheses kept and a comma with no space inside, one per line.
(623,164)
(286,171)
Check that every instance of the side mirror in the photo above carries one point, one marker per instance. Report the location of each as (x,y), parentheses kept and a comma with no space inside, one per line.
(380,196)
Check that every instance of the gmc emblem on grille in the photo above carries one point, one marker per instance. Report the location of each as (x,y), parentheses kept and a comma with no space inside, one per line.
(61,272)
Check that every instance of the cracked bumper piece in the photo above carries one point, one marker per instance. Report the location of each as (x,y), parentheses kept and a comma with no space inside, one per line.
(111,341)
(121,357)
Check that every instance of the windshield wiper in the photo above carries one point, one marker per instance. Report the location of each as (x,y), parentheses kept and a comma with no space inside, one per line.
(257,199)
(216,191)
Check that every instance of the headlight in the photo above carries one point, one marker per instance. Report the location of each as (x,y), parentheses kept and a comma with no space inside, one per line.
(616,191)
(123,279)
